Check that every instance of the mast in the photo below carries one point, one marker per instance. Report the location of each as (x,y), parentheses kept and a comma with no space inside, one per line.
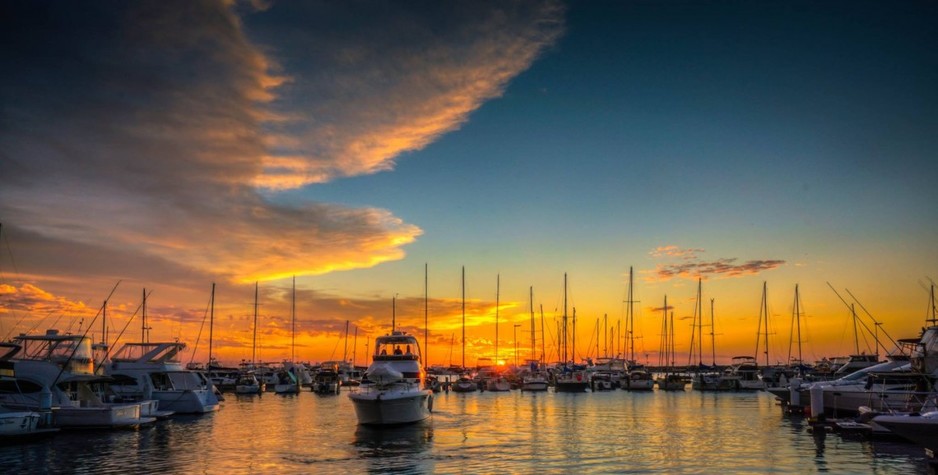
(498,281)
(713,340)
(345,346)
(765,308)
(425,354)
(355,348)
(104,325)
(531,305)
(631,321)
(293,323)
(143,323)
(856,337)
(393,313)
(254,342)
(464,318)
(564,340)
(211,326)
(573,346)
(543,338)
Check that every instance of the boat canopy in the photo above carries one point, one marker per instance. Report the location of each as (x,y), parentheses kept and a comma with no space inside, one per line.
(149,352)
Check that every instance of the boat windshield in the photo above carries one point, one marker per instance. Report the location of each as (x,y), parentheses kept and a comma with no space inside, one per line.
(397,347)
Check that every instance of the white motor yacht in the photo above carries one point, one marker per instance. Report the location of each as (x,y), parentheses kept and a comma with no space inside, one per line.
(392,390)
(56,372)
(152,371)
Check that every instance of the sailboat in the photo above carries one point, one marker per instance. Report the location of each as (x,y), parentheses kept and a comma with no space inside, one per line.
(707,379)
(495,380)
(669,380)
(639,378)
(571,379)
(533,380)
(392,390)
(464,384)
(288,381)
(248,383)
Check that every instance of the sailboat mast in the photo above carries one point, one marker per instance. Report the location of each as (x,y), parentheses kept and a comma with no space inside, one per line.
(211,326)
(531,305)
(564,340)
(765,304)
(345,346)
(425,354)
(498,280)
(543,337)
(713,340)
(798,314)
(254,341)
(463,317)
(355,348)
(143,323)
(293,323)
(393,313)
(631,320)
(856,337)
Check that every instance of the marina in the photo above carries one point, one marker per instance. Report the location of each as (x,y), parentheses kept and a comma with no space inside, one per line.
(518,432)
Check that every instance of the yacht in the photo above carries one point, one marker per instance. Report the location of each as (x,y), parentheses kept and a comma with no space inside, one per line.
(921,429)
(744,373)
(391,392)
(145,371)
(248,384)
(639,378)
(465,384)
(55,372)
(327,381)
(572,379)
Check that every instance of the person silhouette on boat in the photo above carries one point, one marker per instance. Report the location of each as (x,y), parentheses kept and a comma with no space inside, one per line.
(397,350)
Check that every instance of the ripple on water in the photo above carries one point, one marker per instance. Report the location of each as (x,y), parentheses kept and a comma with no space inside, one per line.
(616,431)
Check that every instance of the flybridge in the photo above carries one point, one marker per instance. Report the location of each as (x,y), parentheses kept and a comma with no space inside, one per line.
(149,352)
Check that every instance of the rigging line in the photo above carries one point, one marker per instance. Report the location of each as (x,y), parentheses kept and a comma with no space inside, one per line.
(119,335)
(871,317)
(199,336)
(90,325)
(36,325)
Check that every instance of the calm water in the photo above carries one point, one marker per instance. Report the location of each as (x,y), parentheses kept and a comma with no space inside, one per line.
(512,432)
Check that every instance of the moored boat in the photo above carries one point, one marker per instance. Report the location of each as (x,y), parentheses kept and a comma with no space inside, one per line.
(392,390)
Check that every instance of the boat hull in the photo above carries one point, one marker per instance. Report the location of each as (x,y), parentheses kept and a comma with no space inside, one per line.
(923,430)
(571,386)
(125,415)
(534,386)
(391,408)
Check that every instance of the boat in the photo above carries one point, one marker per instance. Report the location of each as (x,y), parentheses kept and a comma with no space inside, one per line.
(706,378)
(248,381)
(571,378)
(55,372)
(639,379)
(326,381)
(392,391)
(921,429)
(21,425)
(288,379)
(249,385)
(533,379)
(465,384)
(144,371)
(743,374)
(668,380)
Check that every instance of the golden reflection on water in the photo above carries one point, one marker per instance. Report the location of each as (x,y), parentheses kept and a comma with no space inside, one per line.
(616,431)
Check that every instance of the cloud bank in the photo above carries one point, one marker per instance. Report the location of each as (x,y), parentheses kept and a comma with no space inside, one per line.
(161,129)
(691,267)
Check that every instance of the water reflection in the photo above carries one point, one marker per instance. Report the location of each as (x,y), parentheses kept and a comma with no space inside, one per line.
(613,431)
(401,448)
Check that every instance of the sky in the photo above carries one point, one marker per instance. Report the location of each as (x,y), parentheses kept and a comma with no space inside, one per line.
(350,159)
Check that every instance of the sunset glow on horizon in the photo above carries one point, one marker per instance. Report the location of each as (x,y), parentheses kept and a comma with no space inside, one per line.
(353,146)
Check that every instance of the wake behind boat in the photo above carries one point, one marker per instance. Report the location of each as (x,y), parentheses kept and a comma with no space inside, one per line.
(391,392)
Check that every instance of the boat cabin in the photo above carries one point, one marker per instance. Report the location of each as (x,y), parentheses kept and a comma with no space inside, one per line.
(397,346)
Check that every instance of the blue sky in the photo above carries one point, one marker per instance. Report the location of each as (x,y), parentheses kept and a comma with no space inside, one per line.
(351,143)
